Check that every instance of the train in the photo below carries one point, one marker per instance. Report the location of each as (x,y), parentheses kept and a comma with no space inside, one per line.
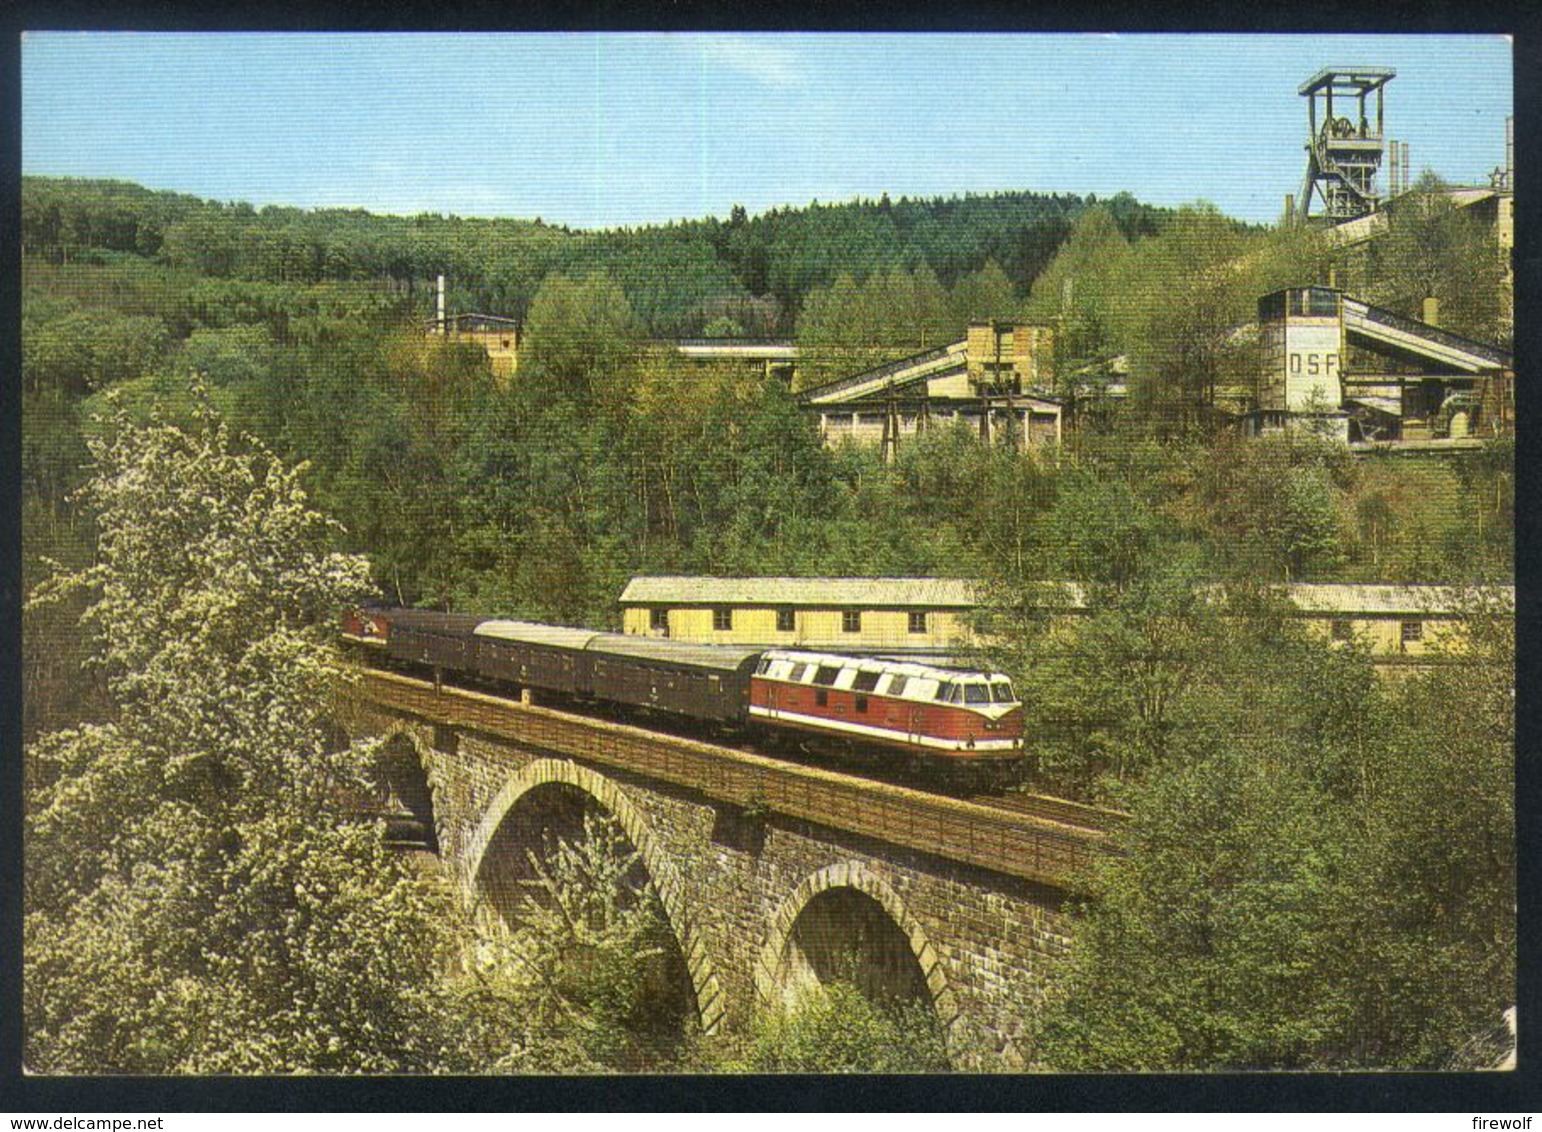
(821,700)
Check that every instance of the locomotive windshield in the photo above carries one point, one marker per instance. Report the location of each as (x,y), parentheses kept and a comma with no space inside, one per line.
(1001,692)
(976,694)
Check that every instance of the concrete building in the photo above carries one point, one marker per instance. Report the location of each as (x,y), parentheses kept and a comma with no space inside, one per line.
(993,380)
(498,336)
(1364,373)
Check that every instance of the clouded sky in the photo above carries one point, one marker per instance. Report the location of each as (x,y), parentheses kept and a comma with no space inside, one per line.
(595,130)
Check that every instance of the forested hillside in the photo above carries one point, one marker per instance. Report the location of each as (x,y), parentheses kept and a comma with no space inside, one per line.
(747,274)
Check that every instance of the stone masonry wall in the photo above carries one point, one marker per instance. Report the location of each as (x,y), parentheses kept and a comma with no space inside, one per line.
(735,883)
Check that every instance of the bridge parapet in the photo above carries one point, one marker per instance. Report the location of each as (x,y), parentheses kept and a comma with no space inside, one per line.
(1004,840)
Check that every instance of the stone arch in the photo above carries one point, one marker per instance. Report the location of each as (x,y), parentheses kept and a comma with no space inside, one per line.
(854,877)
(704,981)
(433,778)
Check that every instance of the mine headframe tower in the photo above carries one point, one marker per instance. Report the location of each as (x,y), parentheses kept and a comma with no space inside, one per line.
(1344,153)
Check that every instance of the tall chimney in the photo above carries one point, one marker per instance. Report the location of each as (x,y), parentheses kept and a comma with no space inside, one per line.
(1394,184)
(1290,210)
(442,328)
(1510,152)
(1407,179)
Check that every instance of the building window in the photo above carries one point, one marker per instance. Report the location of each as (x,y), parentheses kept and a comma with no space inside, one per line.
(722,620)
(1341,629)
(918,622)
(658,620)
(784,622)
(1413,632)
(851,621)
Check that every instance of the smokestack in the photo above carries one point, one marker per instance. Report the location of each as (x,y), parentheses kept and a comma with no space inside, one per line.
(1510,152)
(442,328)
(1394,184)
(1407,180)
(1290,210)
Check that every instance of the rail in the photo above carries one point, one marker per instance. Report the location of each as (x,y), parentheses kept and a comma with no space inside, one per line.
(1006,839)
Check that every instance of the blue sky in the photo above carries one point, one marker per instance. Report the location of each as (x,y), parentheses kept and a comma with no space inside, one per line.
(594,130)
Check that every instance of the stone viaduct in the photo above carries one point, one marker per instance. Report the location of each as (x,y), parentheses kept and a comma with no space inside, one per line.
(773,875)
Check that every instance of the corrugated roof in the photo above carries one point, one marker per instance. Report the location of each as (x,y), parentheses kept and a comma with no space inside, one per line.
(929,593)
(1389,600)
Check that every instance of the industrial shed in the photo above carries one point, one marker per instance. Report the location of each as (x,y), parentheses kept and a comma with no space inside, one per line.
(931,617)
(920,617)
(1393,621)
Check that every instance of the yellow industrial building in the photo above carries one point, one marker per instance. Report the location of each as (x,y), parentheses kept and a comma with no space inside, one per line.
(933,616)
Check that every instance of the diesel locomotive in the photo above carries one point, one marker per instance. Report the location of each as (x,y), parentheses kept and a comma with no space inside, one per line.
(860,703)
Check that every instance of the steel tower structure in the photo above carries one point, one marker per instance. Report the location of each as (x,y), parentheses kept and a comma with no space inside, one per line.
(1344,154)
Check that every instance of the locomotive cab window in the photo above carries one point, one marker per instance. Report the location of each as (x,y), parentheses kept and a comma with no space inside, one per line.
(976,694)
(944,692)
(764,666)
(1001,692)
(799,671)
(897,685)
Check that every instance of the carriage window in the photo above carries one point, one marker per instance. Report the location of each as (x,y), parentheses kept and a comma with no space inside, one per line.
(826,674)
(944,690)
(784,623)
(897,685)
(1001,692)
(977,694)
(865,681)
